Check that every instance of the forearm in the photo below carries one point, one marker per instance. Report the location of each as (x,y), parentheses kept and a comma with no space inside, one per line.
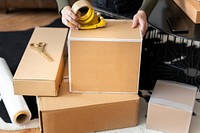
(62,4)
(148,6)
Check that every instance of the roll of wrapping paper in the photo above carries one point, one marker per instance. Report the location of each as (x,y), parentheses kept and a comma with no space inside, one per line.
(16,106)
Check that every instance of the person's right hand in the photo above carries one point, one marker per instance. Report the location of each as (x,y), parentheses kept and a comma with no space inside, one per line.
(69,18)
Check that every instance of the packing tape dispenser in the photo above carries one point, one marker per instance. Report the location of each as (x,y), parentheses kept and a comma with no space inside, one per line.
(88,18)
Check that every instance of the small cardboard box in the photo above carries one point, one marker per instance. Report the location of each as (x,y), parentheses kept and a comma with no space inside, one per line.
(85,113)
(170,107)
(106,59)
(191,8)
(36,75)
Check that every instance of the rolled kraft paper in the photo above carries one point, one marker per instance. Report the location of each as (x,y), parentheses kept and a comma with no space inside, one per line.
(16,106)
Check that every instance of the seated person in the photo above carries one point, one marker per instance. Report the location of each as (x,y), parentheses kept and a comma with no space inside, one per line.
(139,10)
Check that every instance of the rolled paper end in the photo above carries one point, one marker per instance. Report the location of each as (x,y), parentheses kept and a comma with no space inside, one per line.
(22,118)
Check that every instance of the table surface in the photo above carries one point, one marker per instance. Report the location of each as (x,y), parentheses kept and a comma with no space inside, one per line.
(168,8)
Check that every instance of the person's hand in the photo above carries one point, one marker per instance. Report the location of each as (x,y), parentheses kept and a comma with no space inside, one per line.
(140,19)
(69,18)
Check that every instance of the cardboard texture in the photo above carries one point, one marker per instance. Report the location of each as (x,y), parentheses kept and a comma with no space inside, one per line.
(170,107)
(85,113)
(36,75)
(191,8)
(66,71)
(106,59)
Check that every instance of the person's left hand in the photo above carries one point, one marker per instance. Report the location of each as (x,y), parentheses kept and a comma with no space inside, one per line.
(140,19)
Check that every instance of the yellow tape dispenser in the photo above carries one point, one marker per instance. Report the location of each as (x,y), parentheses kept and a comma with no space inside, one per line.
(88,18)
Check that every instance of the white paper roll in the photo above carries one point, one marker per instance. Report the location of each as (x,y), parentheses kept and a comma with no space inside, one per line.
(16,106)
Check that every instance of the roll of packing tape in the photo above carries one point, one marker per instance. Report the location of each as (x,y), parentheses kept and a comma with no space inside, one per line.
(88,18)
(78,5)
(16,106)
(86,11)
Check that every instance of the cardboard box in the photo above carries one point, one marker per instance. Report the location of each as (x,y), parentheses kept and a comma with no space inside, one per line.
(66,71)
(106,59)
(170,107)
(85,113)
(36,75)
(191,8)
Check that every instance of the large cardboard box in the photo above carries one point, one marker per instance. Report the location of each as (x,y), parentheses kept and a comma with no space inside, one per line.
(85,113)
(191,8)
(36,75)
(106,59)
(170,107)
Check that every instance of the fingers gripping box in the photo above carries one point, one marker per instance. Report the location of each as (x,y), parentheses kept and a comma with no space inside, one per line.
(85,113)
(35,74)
(171,106)
(106,59)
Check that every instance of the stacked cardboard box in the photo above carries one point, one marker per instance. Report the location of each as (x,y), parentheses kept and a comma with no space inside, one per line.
(35,74)
(85,113)
(171,106)
(105,60)
(102,61)
(191,8)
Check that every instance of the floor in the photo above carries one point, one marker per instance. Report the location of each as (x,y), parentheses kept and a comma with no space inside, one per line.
(23,19)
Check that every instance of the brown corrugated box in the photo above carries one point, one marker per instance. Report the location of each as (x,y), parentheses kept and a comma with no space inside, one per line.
(191,8)
(171,106)
(106,59)
(85,113)
(66,71)
(36,75)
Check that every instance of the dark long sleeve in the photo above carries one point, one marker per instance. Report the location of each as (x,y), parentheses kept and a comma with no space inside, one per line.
(148,6)
(62,4)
